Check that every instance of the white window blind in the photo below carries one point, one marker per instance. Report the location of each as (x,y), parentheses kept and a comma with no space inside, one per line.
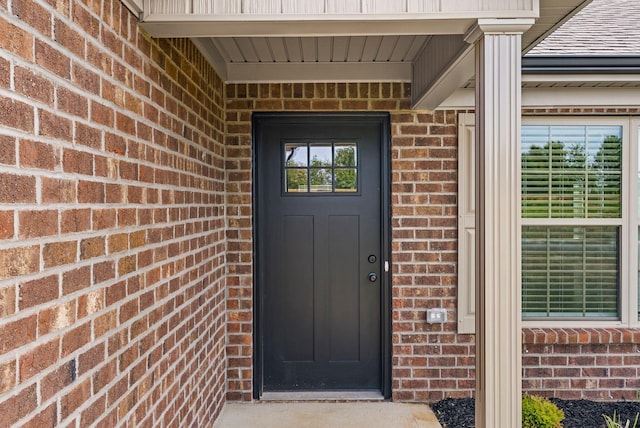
(576,261)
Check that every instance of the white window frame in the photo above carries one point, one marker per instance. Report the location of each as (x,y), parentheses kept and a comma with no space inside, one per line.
(629,223)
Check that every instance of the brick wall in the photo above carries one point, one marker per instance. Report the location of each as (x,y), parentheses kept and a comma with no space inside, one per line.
(112,244)
(590,363)
(429,361)
(126,232)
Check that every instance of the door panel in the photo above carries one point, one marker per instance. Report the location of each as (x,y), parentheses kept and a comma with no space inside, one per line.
(319,218)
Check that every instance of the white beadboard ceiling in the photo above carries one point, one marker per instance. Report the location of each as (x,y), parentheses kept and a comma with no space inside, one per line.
(344,40)
(319,49)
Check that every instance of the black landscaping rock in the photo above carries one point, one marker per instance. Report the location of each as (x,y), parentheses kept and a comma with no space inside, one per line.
(460,412)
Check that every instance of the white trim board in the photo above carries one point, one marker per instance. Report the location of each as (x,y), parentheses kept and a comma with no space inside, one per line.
(318,72)
(556,97)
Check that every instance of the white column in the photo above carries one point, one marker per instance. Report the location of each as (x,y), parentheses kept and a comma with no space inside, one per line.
(498,287)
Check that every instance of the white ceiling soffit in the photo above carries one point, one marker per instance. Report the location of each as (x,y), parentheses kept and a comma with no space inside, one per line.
(344,47)
(286,59)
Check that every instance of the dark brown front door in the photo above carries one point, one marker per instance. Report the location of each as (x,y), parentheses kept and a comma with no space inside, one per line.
(320,255)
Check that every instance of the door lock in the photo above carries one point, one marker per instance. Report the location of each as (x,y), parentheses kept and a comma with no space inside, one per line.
(372,258)
(373,277)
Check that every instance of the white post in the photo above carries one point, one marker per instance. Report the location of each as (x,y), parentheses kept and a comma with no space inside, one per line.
(498,287)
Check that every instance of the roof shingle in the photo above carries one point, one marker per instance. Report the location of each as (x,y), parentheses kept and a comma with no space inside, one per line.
(604,27)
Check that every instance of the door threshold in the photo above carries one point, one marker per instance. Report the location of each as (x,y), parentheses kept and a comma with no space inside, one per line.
(322,396)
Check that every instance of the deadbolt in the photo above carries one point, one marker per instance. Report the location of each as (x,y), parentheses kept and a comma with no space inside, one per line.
(372,258)
(373,277)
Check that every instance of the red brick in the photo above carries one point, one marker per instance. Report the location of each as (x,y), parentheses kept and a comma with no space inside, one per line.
(7,300)
(5,73)
(104,375)
(93,412)
(88,136)
(75,398)
(137,239)
(34,15)
(55,318)
(78,162)
(36,224)
(99,59)
(127,265)
(115,144)
(38,359)
(105,167)
(75,220)
(92,247)
(34,154)
(75,280)
(86,21)
(58,190)
(91,192)
(126,217)
(8,152)
(116,194)
(17,333)
(91,358)
(52,59)
(118,242)
(46,417)
(105,323)
(102,114)
(55,126)
(59,253)
(72,103)
(91,303)
(76,338)
(33,86)
(69,38)
(85,79)
(19,261)
(6,225)
(38,291)
(16,40)
(18,406)
(7,375)
(104,219)
(16,114)
(103,271)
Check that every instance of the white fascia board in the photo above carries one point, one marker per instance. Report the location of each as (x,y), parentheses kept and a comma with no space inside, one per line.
(562,78)
(460,71)
(298,26)
(556,97)
(318,72)
(135,6)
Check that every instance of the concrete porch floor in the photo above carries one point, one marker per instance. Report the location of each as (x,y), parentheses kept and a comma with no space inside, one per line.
(327,415)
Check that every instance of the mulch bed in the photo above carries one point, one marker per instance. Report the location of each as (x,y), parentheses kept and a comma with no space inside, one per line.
(460,412)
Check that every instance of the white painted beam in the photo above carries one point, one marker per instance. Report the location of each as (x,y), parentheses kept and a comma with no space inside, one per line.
(443,79)
(498,282)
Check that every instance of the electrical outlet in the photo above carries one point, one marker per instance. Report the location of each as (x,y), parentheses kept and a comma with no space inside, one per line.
(436,316)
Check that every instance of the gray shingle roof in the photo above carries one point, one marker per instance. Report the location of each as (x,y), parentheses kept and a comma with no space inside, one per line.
(604,27)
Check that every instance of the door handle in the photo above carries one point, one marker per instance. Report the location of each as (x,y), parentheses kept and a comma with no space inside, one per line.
(373,277)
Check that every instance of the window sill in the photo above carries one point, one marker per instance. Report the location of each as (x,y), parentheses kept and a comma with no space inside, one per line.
(590,335)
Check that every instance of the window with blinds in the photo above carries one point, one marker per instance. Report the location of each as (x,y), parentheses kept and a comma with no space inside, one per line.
(572,220)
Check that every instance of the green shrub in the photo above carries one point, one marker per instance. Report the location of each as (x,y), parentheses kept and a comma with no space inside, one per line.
(616,422)
(539,412)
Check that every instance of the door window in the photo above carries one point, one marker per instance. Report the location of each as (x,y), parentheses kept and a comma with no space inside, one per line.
(320,167)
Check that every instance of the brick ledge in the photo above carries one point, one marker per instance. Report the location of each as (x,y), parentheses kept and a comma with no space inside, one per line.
(565,336)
